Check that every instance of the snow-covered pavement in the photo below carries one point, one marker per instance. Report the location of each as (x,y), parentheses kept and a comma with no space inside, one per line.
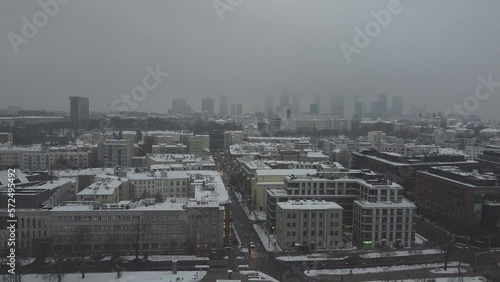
(251,215)
(378,269)
(268,240)
(448,279)
(167,258)
(401,253)
(150,276)
(260,274)
(306,258)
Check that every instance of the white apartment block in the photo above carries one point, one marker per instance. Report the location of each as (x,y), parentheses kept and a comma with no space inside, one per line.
(383,217)
(378,224)
(36,157)
(105,191)
(376,136)
(168,184)
(116,153)
(312,223)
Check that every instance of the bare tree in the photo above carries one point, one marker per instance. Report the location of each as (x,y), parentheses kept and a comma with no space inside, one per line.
(140,227)
(54,270)
(17,275)
(116,253)
(388,251)
(82,236)
(446,246)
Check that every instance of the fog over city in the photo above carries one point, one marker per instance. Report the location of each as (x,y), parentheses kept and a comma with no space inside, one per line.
(431,52)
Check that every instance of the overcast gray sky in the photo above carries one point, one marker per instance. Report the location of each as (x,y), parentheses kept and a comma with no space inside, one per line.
(432,52)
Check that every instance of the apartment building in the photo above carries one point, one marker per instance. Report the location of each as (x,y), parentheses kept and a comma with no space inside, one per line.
(271,179)
(178,148)
(38,157)
(384,223)
(341,186)
(115,153)
(454,196)
(314,224)
(105,191)
(201,223)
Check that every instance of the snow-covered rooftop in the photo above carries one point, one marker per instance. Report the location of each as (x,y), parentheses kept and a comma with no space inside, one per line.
(308,205)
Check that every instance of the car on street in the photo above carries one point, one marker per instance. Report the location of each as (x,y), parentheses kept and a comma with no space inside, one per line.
(252,245)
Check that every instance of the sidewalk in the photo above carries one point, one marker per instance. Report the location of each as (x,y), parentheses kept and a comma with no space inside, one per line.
(400,275)
(215,275)
(253,216)
(268,240)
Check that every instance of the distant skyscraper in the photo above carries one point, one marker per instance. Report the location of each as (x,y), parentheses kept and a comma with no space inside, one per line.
(358,107)
(382,104)
(233,109)
(180,106)
(375,109)
(223,105)
(397,106)
(317,100)
(314,109)
(284,100)
(269,106)
(239,109)
(79,111)
(207,106)
(296,104)
(337,105)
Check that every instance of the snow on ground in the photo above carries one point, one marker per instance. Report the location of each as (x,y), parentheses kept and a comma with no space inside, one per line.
(268,240)
(448,279)
(449,270)
(305,258)
(253,215)
(149,276)
(401,253)
(167,258)
(27,261)
(260,274)
(377,269)
(419,239)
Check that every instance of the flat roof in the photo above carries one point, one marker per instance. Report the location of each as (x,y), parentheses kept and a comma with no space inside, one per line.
(403,204)
(284,172)
(308,205)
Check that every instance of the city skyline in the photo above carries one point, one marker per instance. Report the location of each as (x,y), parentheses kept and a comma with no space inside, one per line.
(49,70)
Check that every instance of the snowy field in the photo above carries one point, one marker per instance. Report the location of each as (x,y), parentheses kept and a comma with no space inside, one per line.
(378,269)
(146,276)
(401,253)
(268,241)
